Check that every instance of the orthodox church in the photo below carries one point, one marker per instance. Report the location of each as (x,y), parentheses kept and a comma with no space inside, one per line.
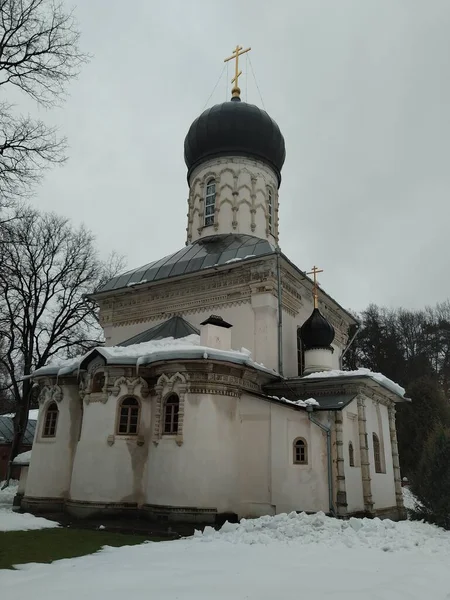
(219,391)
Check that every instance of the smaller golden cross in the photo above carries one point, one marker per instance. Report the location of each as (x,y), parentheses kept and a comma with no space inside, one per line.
(236,92)
(314,272)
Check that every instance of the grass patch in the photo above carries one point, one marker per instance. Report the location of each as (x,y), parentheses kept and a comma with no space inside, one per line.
(47,545)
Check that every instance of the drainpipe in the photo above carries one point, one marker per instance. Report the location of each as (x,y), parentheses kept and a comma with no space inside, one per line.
(327,430)
(347,347)
(280,316)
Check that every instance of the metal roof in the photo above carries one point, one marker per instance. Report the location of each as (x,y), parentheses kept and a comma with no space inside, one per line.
(175,327)
(216,250)
(7,431)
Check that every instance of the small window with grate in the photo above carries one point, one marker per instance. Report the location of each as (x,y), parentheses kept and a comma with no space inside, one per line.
(377,454)
(129,413)
(270,209)
(50,421)
(210,202)
(300,452)
(98,382)
(171,413)
(351,455)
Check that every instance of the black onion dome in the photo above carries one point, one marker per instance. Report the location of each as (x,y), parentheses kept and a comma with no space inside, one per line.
(234,128)
(317,332)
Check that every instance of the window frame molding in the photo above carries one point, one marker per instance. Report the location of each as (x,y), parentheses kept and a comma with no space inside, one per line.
(380,462)
(165,386)
(209,180)
(120,401)
(294,453)
(351,454)
(270,211)
(47,406)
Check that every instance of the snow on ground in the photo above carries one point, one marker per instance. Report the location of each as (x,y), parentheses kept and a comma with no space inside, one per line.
(311,557)
(11,521)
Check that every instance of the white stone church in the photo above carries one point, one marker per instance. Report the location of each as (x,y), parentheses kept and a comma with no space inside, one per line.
(219,392)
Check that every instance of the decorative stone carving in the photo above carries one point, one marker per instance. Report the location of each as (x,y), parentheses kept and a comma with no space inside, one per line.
(50,392)
(164,387)
(131,385)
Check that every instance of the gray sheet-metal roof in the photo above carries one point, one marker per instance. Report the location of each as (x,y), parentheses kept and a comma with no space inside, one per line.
(216,250)
(335,402)
(175,327)
(7,431)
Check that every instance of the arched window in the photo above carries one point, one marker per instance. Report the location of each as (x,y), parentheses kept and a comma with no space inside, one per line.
(128,417)
(210,202)
(351,455)
(377,453)
(171,412)
(300,354)
(300,452)
(98,382)
(51,420)
(270,209)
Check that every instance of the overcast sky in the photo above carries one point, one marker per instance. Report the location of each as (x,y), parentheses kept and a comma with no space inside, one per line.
(359,88)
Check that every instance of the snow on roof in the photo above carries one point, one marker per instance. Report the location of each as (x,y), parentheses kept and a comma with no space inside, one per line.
(152,351)
(378,377)
(23,458)
(302,403)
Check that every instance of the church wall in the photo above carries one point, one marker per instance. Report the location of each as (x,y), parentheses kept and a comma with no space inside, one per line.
(242,199)
(353,475)
(270,482)
(51,460)
(202,471)
(110,467)
(383,487)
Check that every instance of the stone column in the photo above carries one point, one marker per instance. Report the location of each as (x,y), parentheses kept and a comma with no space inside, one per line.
(396,462)
(364,451)
(265,309)
(341,493)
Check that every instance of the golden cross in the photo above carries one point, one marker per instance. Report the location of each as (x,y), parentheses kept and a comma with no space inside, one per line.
(235,92)
(314,272)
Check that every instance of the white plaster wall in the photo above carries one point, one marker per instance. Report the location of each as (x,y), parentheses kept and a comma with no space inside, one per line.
(353,475)
(254,328)
(383,487)
(202,472)
(241,198)
(110,473)
(237,456)
(51,460)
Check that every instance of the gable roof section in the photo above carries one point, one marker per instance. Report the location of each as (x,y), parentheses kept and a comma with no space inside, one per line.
(7,431)
(175,327)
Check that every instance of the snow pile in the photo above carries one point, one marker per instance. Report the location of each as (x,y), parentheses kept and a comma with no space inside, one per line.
(303,529)
(379,377)
(140,354)
(302,403)
(11,521)
(7,494)
(23,458)
(409,500)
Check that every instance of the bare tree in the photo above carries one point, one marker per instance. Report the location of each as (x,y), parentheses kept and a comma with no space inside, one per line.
(47,271)
(39,55)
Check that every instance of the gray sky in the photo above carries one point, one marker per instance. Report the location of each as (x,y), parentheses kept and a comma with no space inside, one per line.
(359,88)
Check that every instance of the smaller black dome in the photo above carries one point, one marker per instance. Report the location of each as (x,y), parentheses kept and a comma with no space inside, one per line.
(317,332)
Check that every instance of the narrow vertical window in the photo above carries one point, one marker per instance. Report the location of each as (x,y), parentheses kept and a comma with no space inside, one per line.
(270,209)
(300,354)
(128,417)
(377,453)
(98,382)
(351,455)
(210,202)
(300,452)
(171,412)
(51,420)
